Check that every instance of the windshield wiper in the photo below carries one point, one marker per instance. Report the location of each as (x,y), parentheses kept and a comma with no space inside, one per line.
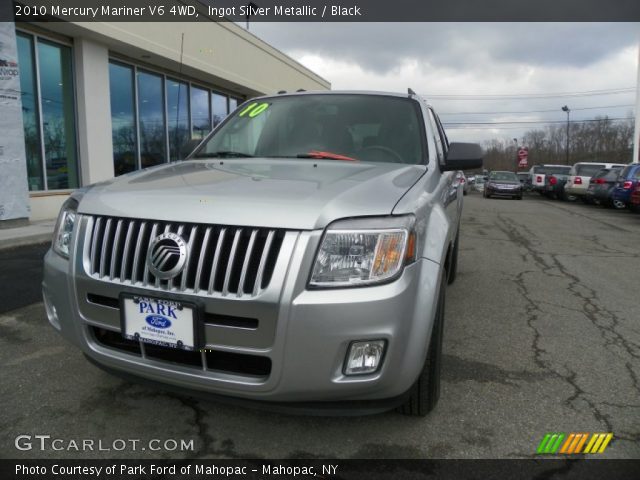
(224,154)
(326,155)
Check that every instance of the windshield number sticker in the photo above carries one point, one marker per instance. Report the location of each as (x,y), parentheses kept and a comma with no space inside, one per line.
(254,109)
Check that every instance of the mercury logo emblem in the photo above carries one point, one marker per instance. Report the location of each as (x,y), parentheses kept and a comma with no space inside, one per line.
(167,255)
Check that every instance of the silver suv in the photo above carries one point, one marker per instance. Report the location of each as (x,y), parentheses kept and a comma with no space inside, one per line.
(298,257)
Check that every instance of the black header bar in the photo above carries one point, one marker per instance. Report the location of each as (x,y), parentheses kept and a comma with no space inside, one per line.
(324,11)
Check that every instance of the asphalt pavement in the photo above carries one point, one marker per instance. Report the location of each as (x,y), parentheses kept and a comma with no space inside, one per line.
(542,334)
(21,275)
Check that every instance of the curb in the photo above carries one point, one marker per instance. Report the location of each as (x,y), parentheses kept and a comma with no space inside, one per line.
(25,241)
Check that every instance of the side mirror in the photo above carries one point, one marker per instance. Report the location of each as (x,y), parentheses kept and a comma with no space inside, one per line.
(463,156)
(189,146)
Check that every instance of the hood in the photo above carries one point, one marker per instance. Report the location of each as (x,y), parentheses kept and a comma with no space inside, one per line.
(505,182)
(301,194)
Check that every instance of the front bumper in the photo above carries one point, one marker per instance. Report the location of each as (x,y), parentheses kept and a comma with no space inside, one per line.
(306,341)
(513,192)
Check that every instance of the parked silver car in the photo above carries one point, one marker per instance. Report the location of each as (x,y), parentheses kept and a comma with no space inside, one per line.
(298,257)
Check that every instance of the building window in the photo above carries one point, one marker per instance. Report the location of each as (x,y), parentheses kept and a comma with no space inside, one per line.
(46,81)
(200,112)
(152,119)
(220,107)
(233,104)
(177,116)
(154,115)
(123,118)
(30,112)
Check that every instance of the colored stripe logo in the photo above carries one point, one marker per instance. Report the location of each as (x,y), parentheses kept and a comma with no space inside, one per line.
(571,443)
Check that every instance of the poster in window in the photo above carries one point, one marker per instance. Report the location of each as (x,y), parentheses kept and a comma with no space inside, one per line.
(14,196)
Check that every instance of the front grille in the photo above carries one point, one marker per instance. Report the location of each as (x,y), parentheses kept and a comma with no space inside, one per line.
(221,260)
(208,360)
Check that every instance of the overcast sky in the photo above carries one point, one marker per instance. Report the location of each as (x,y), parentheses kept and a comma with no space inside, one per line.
(437,59)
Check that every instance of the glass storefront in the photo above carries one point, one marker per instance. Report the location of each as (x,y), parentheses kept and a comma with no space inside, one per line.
(153,115)
(151,121)
(123,118)
(46,80)
(200,112)
(177,117)
(220,107)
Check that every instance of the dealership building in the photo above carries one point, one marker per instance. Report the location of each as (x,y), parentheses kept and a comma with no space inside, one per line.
(84,102)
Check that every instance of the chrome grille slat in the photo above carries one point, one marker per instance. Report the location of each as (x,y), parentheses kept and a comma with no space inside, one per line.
(203,253)
(170,282)
(145,275)
(114,251)
(185,272)
(103,253)
(221,260)
(94,242)
(232,256)
(245,264)
(263,261)
(125,253)
(216,258)
(136,256)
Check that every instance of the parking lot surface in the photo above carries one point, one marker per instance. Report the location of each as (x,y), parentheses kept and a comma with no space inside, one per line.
(542,334)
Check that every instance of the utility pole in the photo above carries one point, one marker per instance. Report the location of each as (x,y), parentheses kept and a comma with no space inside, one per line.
(636,134)
(566,109)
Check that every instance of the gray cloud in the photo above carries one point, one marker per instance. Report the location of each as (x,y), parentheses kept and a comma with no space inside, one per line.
(476,58)
(381,47)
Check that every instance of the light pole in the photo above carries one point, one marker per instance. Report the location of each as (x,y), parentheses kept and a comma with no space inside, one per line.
(566,109)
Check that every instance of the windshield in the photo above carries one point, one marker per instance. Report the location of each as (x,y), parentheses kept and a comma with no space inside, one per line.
(588,169)
(371,128)
(503,176)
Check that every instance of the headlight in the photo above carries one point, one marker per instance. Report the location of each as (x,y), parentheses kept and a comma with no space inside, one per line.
(62,235)
(364,251)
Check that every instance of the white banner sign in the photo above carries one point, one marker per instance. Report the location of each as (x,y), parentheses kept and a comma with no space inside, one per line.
(14,194)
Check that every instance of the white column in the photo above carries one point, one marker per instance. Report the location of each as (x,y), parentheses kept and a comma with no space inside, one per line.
(94,110)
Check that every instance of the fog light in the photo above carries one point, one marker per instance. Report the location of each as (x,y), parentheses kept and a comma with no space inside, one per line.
(364,357)
(52,313)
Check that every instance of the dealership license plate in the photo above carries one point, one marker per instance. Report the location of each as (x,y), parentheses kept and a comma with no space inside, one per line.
(161,322)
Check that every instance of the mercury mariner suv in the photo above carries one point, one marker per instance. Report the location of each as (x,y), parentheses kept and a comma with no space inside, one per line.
(297,258)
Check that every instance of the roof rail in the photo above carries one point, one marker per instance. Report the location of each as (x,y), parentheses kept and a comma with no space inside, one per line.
(301,90)
(280,92)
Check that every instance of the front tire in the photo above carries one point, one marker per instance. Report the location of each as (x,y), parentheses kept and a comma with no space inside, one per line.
(425,392)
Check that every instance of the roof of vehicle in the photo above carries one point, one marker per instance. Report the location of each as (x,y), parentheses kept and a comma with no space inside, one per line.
(600,163)
(345,92)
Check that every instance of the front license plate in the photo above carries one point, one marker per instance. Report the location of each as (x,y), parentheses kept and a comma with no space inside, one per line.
(158,321)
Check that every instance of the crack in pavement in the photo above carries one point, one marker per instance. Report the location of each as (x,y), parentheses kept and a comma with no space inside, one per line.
(590,218)
(591,310)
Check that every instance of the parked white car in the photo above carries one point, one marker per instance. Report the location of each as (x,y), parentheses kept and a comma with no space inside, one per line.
(580,176)
(538,174)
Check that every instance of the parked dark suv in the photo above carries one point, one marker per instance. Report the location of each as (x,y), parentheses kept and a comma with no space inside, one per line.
(628,180)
